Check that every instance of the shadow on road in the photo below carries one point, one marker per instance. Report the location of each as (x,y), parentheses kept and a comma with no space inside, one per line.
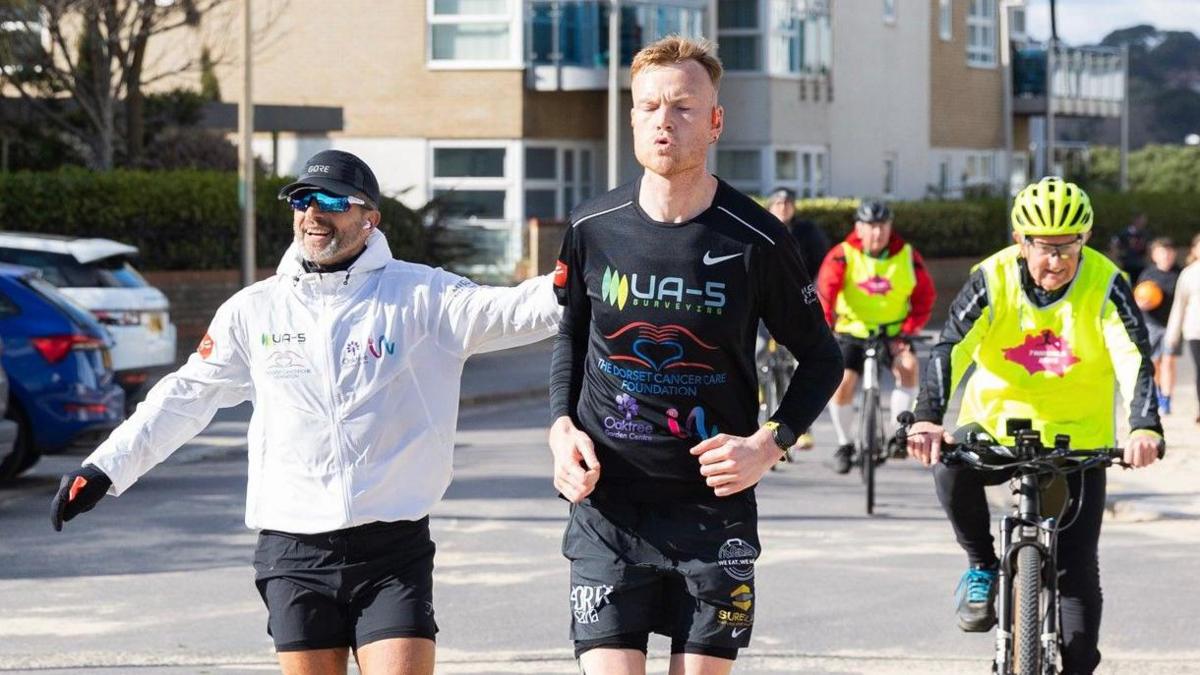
(169,521)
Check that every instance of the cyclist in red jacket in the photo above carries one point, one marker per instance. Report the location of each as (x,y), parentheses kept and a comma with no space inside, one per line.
(871,279)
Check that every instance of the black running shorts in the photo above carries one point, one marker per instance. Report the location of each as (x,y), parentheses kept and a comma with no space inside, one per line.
(680,568)
(854,352)
(347,588)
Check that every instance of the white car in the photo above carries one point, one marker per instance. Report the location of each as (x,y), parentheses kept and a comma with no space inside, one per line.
(98,275)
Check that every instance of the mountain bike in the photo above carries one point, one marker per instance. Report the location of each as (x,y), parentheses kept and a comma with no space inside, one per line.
(1027,630)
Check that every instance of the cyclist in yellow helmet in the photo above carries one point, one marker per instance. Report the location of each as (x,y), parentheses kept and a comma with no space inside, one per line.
(1053,332)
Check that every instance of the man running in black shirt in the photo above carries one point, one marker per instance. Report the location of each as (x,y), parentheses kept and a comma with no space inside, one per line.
(653,386)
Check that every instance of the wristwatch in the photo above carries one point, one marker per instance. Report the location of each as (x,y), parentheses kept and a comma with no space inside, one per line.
(784,437)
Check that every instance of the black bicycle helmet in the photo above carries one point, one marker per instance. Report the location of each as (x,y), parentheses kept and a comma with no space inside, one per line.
(872,212)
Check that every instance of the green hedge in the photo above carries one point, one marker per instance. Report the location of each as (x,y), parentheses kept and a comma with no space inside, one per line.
(179,220)
(1154,168)
(978,227)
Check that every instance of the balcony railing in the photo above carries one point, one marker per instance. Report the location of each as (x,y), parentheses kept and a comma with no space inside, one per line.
(567,40)
(1086,81)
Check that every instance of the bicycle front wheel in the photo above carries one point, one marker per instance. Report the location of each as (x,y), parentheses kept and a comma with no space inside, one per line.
(868,443)
(1027,615)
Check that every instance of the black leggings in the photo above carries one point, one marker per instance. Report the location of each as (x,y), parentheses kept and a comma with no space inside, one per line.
(960,489)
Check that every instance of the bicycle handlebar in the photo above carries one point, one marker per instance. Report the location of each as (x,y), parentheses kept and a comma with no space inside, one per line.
(991,455)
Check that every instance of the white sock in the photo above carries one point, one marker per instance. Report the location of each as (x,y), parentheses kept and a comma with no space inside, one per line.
(902,399)
(841,415)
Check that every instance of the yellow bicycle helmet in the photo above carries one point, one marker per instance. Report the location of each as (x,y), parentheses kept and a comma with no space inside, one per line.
(1050,207)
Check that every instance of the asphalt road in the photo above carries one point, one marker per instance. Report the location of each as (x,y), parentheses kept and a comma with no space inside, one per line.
(159,580)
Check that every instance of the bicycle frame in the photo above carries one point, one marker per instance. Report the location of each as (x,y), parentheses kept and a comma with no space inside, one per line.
(870,439)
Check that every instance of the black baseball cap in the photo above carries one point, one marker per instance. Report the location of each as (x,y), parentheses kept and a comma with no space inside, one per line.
(781,195)
(338,172)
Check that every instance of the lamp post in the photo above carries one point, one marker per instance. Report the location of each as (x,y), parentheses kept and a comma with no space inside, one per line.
(246,152)
(614,89)
(1007,84)
(1125,118)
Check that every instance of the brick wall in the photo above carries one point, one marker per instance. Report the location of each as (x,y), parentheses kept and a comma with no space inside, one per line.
(966,102)
(195,297)
(545,240)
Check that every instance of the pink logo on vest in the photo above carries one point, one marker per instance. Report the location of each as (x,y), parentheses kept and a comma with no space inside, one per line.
(1043,352)
(876,285)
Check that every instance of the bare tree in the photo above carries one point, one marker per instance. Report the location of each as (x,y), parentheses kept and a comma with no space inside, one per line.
(81,64)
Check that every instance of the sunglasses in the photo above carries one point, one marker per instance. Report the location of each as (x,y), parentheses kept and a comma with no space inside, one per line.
(325,202)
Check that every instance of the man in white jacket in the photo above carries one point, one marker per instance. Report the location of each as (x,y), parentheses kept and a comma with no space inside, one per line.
(353,361)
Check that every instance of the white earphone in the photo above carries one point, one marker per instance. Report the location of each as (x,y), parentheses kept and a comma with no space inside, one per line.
(366,224)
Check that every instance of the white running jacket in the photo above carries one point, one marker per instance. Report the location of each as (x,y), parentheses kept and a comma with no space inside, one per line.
(354,377)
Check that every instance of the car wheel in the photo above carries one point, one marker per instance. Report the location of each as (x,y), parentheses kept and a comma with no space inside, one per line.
(13,463)
(24,454)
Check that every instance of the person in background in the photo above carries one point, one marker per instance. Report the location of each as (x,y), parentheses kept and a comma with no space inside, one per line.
(813,247)
(1154,295)
(812,240)
(1128,247)
(1184,321)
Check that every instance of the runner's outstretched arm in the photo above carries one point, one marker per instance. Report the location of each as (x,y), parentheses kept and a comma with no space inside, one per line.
(475,319)
(182,404)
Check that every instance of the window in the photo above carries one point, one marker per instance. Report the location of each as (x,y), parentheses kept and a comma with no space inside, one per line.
(468,162)
(889,11)
(785,166)
(471,32)
(943,184)
(1018,23)
(22,30)
(472,180)
(799,38)
(981,33)
(473,204)
(740,166)
(801,169)
(557,179)
(889,174)
(797,34)
(946,19)
(62,269)
(8,308)
(981,169)
(541,163)
(739,35)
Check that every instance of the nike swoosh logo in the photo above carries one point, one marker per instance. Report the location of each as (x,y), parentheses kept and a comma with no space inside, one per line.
(710,260)
(738,631)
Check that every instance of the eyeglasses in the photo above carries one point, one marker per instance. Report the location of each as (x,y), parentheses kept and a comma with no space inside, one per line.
(1069,249)
(324,200)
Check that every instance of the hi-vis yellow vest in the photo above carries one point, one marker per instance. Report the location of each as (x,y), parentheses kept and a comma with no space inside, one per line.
(1048,364)
(875,291)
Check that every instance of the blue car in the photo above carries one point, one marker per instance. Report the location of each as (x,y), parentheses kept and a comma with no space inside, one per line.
(62,388)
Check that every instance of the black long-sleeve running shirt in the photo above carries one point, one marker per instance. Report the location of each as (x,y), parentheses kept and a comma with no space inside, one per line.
(655,351)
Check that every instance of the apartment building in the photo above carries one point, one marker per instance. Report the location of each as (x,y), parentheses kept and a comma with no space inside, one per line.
(500,105)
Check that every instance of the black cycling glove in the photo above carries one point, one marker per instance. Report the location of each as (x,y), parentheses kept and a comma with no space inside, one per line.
(78,491)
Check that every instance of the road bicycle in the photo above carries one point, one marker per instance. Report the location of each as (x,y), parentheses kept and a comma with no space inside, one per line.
(1027,630)
(775,369)
(870,443)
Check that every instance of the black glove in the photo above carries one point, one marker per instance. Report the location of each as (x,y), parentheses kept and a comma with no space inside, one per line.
(78,491)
